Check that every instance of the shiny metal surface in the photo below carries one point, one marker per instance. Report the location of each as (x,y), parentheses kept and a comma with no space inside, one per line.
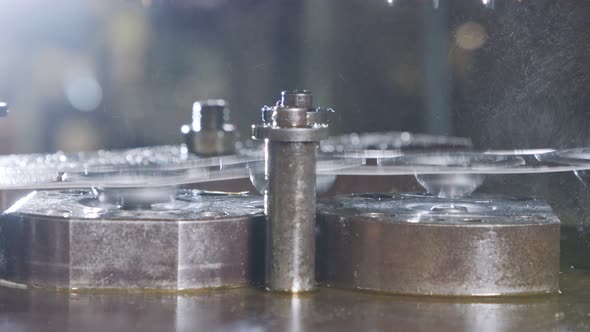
(71,240)
(247,309)
(291,211)
(291,142)
(136,198)
(210,133)
(420,244)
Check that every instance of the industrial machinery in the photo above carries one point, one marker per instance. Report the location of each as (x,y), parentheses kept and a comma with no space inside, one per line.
(295,216)
(120,221)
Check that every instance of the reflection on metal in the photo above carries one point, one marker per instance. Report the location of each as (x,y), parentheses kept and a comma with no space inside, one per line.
(70,239)
(246,309)
(291,137)
(420,244)
(210,133)
(136,198)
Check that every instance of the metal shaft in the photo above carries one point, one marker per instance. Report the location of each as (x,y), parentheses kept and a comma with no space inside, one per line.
(291,209)
(291,134)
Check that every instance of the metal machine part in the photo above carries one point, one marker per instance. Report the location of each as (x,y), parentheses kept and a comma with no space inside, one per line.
(69,239)
(210,133)
(423,245)
(291,135)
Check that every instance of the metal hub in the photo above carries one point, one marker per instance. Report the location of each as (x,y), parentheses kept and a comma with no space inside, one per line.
(70,239)
(420,244)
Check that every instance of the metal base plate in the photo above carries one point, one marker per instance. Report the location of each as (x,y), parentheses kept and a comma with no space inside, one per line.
(69,239)
(419,244)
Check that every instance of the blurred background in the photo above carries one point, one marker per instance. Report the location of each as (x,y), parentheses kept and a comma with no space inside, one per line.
(92,74)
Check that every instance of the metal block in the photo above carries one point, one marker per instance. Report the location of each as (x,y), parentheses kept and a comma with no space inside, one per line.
(70,239)
(420,244)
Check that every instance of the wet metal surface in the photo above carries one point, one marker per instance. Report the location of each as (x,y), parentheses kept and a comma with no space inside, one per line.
(420,244)
(247,309)
(69,239)
(291,241)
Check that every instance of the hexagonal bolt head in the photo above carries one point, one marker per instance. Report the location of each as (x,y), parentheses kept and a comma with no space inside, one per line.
(210,133)
(210,114)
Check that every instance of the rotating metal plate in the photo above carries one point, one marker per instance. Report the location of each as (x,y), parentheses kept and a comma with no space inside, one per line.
(419,244)
(69,239)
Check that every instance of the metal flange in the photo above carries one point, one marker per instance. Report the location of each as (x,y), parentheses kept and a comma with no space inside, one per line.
(422,245)
(71,240)
(290,134)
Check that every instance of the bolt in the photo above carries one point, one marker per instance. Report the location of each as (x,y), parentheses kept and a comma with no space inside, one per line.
(292,109)
(209,114)
(210,133)
(296,98)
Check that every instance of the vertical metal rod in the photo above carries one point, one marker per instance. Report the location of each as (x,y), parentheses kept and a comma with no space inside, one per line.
(291,210)
(291,137)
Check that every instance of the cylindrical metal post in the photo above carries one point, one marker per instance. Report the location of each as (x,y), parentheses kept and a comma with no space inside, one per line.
(291,209)
(291,140)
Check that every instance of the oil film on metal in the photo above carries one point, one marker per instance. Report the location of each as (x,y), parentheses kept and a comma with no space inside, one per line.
(295,165)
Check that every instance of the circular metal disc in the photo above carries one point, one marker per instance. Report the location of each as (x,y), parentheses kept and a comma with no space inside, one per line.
(69,239)
(419,244)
